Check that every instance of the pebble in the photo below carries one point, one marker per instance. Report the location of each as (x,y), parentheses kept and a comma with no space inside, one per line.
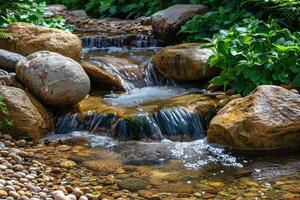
(14,194)
(68,164)
(83,198)
(3,193)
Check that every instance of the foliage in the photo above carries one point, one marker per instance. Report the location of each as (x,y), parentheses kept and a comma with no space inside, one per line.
(31,12)
(224,14)
(124,8)
(205,26)
(286,11)
(256,53)
(4,34)
(4,111)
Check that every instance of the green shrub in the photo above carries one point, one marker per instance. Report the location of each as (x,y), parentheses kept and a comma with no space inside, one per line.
(31,12)
(287,12)
(205,26)
(4,111)
(124,8)
(256,53)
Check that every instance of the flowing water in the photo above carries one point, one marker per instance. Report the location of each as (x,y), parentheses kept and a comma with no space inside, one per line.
(160,127)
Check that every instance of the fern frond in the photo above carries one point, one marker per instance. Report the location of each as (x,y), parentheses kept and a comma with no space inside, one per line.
(4,34)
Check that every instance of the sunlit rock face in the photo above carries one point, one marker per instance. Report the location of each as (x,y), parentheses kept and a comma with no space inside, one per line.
(29,117)
(182,118)
(184,62)
(269,118)
(29,38)
(54,79)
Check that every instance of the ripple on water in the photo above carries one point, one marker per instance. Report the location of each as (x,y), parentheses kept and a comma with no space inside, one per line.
(194,155)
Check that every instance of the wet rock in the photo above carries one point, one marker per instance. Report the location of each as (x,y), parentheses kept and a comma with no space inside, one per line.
(9,60)
(28,114)
(185,62)
(166,23)
(54,79)
(101,77)
(29,38)
(268,118)
(133,184)
(118,72)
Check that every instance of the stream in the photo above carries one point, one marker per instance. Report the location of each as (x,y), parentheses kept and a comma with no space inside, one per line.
(160,126)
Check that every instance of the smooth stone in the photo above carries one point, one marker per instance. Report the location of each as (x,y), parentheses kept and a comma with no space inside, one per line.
(29,116)
(9,188)
(83,198)
(13,194)
(9,60)
(68,164)
(28,38)
(57,77)
(184,62)
(133,184)
(166,23)
(3,193)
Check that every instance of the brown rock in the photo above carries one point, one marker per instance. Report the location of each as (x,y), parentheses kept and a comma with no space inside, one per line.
(114,71)
(268,118)
(29,38)
(29,116)
(100,76)
(185,62)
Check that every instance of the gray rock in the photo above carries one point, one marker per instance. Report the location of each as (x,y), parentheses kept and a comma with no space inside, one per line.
(78,14)
(9,60)
(56,8)
(55,79)
(166,23)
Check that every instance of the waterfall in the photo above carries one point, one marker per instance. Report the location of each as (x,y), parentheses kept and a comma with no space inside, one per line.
(165,123)
(120,41)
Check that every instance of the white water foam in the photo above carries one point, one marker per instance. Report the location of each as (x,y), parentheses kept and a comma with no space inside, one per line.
(146,94)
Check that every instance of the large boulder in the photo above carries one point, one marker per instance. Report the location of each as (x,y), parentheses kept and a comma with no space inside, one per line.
(55,79)
(166,23)
(268,118)
(184,62)
(9,60)
(29,116)
(29,38)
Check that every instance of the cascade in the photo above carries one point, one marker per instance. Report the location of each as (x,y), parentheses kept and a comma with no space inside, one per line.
(168,123)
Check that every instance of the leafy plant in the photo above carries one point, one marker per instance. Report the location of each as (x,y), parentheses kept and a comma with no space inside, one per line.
(287,12)
(4,34)
(256,53)
(205,26)
(4,111)
(31,12)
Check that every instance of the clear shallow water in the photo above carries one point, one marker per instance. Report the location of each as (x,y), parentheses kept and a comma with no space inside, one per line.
(209,170)
(198,156)
(193,155)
